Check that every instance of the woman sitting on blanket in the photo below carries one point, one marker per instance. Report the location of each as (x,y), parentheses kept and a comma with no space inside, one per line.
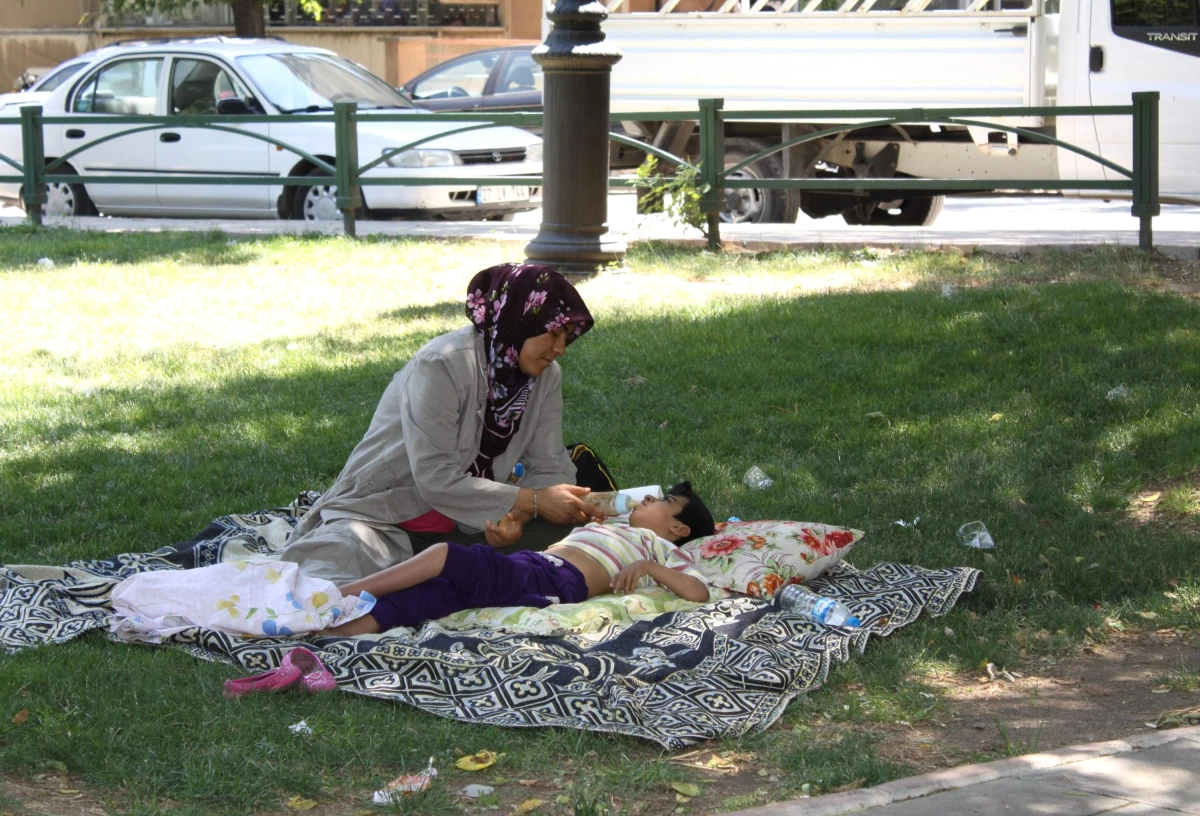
(593,560)
(468,407)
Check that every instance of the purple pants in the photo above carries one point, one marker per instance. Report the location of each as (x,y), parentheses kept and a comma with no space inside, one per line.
(478,576)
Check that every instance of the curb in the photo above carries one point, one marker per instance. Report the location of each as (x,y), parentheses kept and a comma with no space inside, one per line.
(1174,244)
(914,787)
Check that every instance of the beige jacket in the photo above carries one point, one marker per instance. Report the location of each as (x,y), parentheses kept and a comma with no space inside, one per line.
(426,432)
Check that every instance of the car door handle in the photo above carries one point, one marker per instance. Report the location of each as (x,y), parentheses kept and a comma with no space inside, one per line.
(1096,59)
(1016,31)
(169,137)
(75,133)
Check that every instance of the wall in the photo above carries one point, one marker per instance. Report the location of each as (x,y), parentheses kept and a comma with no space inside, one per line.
(20,14)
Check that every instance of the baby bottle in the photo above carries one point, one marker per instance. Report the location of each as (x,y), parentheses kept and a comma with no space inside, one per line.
(610,502)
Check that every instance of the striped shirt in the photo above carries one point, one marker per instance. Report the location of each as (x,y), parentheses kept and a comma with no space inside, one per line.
(617,546)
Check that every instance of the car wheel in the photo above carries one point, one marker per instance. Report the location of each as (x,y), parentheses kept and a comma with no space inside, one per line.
(67,200)
(317,203)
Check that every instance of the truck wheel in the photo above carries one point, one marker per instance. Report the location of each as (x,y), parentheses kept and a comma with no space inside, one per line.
(906,212)
(749,205)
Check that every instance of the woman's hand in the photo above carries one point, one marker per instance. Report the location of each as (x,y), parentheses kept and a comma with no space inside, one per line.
(561,504)
(627,579)
(506,533)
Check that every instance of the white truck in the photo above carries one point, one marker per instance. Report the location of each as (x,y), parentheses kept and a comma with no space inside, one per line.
(860,54)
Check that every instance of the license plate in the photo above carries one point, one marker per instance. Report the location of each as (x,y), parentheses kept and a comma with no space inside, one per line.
(499,195)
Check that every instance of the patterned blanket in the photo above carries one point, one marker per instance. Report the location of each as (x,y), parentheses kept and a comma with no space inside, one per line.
(650,666)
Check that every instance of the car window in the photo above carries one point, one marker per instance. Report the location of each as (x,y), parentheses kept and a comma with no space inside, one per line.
(302,81)
(128,87)
(461,79)
(198,85)
(521,75)
(53,80)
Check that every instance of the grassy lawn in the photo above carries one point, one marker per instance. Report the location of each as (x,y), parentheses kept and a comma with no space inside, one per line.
(153,382)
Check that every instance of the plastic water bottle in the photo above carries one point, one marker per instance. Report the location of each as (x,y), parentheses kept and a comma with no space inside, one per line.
(817,608)
(610,502)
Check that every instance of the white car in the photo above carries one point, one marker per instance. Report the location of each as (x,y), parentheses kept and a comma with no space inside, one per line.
(239,76)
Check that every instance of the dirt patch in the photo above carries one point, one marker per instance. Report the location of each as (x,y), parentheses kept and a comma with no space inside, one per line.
(53,793)
(1179,276)
(1110,691)
(1173,503)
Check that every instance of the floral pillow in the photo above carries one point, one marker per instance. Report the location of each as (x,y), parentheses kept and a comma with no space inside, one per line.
(758,557)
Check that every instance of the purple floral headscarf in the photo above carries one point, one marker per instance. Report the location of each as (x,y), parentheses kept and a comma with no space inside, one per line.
(508,304)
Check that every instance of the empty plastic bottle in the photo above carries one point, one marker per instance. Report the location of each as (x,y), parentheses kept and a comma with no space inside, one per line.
(611,502)
(817,608)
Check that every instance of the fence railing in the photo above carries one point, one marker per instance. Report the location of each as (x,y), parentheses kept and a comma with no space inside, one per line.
(35,172)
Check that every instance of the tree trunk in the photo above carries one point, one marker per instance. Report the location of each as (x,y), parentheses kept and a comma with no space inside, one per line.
(249,18)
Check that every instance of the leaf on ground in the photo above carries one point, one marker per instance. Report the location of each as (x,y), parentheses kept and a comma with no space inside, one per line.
(21,716)
(720,763)
(528,806)
(300,803)
(995,417)
(686,788)
(477,762)
(855,785)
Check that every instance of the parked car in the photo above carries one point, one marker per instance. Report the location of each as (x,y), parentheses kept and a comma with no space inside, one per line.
(37,91)
(496,79)
(223,75)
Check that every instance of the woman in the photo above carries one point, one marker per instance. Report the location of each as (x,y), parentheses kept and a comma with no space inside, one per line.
(435,462)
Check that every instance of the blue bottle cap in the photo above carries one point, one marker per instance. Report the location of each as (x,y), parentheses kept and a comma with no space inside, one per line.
(734,518)
(519,470)
(853,622)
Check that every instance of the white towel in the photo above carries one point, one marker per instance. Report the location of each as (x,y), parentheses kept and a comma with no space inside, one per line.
(260,598)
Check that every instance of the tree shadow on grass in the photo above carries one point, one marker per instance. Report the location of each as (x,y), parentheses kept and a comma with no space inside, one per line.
(865,408)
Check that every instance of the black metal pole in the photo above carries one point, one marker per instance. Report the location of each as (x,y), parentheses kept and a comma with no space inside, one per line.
(577,70)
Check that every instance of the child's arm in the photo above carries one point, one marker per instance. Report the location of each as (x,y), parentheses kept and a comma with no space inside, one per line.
(688,587)
(505,533)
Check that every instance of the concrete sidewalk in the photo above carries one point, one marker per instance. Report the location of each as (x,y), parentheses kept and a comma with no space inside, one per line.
(1184,244)
(1154,774)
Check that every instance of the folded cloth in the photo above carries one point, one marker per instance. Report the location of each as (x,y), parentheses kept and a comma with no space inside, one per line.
(257,597)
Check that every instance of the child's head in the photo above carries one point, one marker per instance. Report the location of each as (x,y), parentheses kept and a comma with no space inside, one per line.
(679,516)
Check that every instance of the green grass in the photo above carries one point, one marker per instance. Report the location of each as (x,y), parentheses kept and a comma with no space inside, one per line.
(154,382)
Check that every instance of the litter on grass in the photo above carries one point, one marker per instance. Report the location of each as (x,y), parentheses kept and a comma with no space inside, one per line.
(393,792)
(475,791)
(301,728)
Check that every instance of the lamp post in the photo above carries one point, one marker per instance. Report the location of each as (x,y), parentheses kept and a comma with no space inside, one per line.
(577,70)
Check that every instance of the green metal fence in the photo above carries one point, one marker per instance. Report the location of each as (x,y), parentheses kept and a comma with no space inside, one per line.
(1141,179)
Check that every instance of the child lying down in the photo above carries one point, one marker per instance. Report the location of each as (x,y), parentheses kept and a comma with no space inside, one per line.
(260,597)
(593,560)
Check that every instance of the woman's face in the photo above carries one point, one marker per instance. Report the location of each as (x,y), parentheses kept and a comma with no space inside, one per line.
(537,353)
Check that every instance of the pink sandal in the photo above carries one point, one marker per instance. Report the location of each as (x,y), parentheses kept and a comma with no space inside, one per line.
(314,676)
(273,680)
